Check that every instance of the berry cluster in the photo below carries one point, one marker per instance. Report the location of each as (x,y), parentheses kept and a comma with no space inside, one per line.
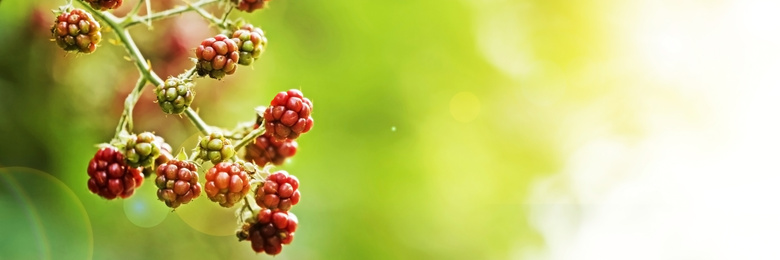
(250,5)
(289,115)
(76,31)
(251,43)
(267,150)
(103,5)
(110,176)
(119,167)
(279,191)
(142,150)
(217,57)
(215,148)
(177,183)
(227,183)
(175,95)
(269,230)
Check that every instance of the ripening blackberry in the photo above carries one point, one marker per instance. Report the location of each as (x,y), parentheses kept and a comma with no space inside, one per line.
(288,116)
(76,31)
(227,183)
(217,57)
(110,176)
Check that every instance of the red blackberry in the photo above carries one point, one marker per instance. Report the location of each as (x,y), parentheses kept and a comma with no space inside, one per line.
(217,57)
(269,231)
(288,116)
(227,183)
(177,183)
(110,176)
(279,191)
(267,150)
(250,5)
(103,5)
(76,31)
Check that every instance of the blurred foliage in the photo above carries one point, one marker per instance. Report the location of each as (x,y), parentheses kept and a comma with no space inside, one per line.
(387,171)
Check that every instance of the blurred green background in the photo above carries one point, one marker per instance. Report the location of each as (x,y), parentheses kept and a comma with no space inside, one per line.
(432,120)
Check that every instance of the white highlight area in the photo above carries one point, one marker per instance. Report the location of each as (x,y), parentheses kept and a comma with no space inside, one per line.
(705,189)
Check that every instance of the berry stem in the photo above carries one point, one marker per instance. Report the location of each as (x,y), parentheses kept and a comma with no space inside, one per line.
(135,10)
(143,66)
(211,18)
(124,36)
(197,121)
(126,120)
(133,20)
(250,137)
(247,206)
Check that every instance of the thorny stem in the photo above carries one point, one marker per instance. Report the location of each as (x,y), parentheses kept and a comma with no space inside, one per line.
(136,8)
(133,20)
(144,67)
(225,16)
(211,18)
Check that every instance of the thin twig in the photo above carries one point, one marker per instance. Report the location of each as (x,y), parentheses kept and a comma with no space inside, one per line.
(130,21)
(197,121)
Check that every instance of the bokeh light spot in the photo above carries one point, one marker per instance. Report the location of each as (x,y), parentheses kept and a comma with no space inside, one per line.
(464,106)
(41,218)
(143,209)
(208,217)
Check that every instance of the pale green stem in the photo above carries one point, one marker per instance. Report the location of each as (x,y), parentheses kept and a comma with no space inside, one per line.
(250,137)
(197,121)
(133,20)
(141,63)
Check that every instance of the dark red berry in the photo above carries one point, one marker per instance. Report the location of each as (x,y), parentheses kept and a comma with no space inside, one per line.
(177,183)
(227,183)
(288,116)
(103,5)
(250,5)
(76,31)
(278,191)
(269,230)
(110,176)
(267,150)
(217,57)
